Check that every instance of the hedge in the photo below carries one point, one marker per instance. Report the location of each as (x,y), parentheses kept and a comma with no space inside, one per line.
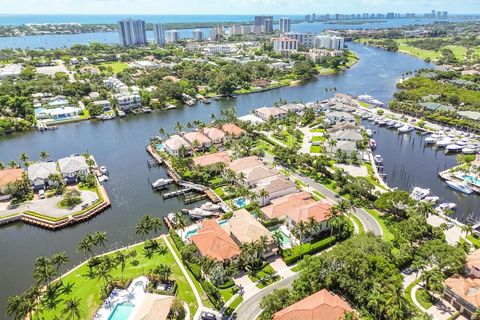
(290,256)
(271,222)
(213,294)
(227,284)
(176,239)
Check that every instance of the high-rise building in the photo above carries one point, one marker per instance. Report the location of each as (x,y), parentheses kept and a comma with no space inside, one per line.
(268,25)
(216,33)
(307,18)
(433,14)
(132,32)
(159,34)
(284,45)
(285,25)
(329,42)
(197,35)
(237,29)
(390,15)
(445,14)
(172,36)
(314,17)
(260,20)
(303,38)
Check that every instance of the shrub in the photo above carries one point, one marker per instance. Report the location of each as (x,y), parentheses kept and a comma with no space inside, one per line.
(214,295)
(176,239)
(230,283)
(290,256)
(196,270)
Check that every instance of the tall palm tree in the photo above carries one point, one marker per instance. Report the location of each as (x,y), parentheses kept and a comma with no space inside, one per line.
(468,229)
(72,308)
(85,245)
(44,155)
(162,131)
(121,259)
(2,165)
(180,222)
(12,164)
(24,158)
(301,231)
(100,238)
(263,194)
(16,307)
(178,126)
(58,260)
(156,224)
(144,226)
(104,269)
(44,271)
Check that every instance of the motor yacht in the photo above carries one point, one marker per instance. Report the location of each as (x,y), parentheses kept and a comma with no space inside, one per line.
(459,186)
(378,159)
(406,128)
(419,193)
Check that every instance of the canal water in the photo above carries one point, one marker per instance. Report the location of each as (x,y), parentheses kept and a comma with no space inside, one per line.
(120,145)
(409,162)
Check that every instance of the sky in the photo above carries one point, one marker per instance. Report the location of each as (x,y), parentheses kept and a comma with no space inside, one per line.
(291,7)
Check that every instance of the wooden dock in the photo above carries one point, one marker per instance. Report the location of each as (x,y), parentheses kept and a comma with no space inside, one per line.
(176,193)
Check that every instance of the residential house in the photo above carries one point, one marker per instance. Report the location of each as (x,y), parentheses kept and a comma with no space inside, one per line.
(213,241)
(216,135)
(320,305)
(345,127)
(211,159)
(104,104)
(276,186)
(244,228)
(472,265)
(252,169)
(233,130)
(293,107)
(346,146)
(175,144)
(298,207)
(265,113)
(347,135)
(334,117)
(463,293)
(197,140)
(9,176)
(72,168)
(153,307)
(39,172)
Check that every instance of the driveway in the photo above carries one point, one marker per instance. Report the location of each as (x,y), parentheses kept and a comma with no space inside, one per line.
(452,235)
(442,310)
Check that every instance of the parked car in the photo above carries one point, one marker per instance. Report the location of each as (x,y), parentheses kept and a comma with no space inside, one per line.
(208,316)
(41,194)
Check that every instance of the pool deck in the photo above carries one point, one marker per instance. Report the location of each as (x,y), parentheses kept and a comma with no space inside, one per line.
(450,174)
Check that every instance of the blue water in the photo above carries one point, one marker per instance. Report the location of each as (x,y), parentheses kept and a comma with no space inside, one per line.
(240,202)
(472,179)
(67,40)
(121,311)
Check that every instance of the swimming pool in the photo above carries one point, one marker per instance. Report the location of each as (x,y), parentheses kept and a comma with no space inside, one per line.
(240,202)
(285,239)
(121,311)
(159,147)
(471,179)
(192,232)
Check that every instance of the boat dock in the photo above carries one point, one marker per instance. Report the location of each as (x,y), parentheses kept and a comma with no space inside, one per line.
(176,193)
(194,198)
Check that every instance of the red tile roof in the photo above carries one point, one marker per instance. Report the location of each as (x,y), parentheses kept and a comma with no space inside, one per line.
(467,288)
(10,175)
(211,159)
(232,129)
(214,242)
(322,305)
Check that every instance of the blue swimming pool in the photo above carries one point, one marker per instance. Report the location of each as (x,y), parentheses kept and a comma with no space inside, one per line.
(240,202)
(471,179)
(159,146)
(121,311)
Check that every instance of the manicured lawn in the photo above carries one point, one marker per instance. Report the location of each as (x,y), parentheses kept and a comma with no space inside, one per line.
(88,289)
(361,228)
(316,149)
(265,272)
(228,293)
(364,104)
(424,54)
(231,308)
(117,66)
(317,130)
(423,298)
(300,183)
(387,235)
(474,240)
(318,138)
(319,194)
(219,191)
(408,291)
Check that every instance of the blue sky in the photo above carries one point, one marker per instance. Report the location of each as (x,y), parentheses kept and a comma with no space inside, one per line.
(233,6)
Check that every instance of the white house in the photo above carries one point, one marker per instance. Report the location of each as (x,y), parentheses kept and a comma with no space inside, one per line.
(265,113)
(39,172)
(174,144)
(72,167)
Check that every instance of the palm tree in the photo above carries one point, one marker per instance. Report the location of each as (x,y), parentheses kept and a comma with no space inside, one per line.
(180,222)
(144,226)
(16,307)
(332,143)
(263,194)
(44,155)
(156,224)
(300,231)
(59,259)
(468,229)
(44,271)
(104,269)
(12,164)
(72,308)
(178,126)
(121,259)
(2,165)
(161,131)
(164,271)
(99,238)
(278,238)
(24,158)
(85,245)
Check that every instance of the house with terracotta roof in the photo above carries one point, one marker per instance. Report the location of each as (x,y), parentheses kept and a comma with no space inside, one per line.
(174,144)
(463,293)
(322,305)
(244,228)
(153,307)
(198,140)
(472,265)
(211,159)
(297,207)
(216,135)
(213,241)
(9,176)
(276,186)
(266,113)
(252,169)
(232,130)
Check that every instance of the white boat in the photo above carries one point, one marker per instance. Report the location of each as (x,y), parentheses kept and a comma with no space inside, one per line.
(121,114)
(161,183)
(199,213)
(398,125)
(365,116)
(433,138)
(459,186)
(431,199)
(443,143)
(377,119)
(371,118)
(469,150)
(103,170)
(373,144)
(208,206)
(382,122)
(419,193)
(391,123)
(103,178)
(369,132)
(446,206)
(406,128)
(453,148)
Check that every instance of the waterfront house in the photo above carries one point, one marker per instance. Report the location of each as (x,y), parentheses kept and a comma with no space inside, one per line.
(463,293)
(297,207)
(347,135)
(153,307)
(126,101)
(232,130)
(346,146)
(252,170)
(73,168)
(104,104)
(8,176)
(266,113)
(293,107)
(345,127)
(244,228)
(320,305)
(216,135)
(212,159)
(197,140)
(39,173)
(276,186)
(175,144)
(335,117)
(213,241)
(472,265)
(251,118)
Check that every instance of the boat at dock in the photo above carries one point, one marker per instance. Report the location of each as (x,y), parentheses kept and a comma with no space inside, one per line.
(378,159)
(453,148)
(406,128)
(198,213)
(459,186)
(419,193)
(433,138)
(369,132)
(398,125)
(103,170)
(443,142)
(446,206)
(208,206)
(431,199)
(162,182)
(372,143)
(469,149)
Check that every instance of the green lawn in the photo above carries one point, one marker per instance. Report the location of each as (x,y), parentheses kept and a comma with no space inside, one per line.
(408,291)
(424,54)
(423,298)
(265,272)
(387,235)
(318,138)
(235,303)
(88,290)
(364,104)
(474,240)
(317,130)
(316,149)
(228,293)
(361,228)
(117,66)
(319,194)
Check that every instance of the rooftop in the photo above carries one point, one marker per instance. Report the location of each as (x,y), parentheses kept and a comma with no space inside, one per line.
(320,305)
(10,175)
(467,288)
(232,129)
(214,133)
(245,228)
(72,164)
(41,170)
(175,142)
(197,136)
(211,159)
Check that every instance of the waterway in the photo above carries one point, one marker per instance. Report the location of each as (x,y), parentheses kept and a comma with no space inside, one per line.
(120,145)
